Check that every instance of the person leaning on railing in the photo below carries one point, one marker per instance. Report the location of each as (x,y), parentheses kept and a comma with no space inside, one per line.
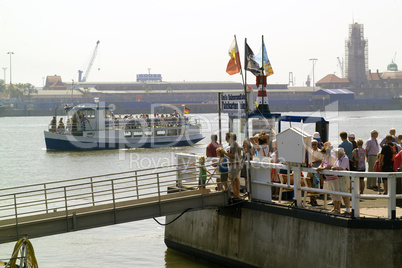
(343,163)
(332,180)
(223,169)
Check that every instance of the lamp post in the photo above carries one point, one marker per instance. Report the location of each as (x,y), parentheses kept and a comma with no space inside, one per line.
(313,60)
(5,68)
(10,53)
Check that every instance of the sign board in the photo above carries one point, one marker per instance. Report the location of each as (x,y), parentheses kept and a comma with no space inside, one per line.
(149,77)
(234,102)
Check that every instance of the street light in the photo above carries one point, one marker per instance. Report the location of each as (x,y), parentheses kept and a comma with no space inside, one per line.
(314,60)
(10,53)
(5,68)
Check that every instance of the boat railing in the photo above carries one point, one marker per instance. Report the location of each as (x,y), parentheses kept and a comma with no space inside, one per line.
(145,123)
(262,184)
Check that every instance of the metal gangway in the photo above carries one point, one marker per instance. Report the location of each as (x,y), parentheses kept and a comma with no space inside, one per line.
(69,205)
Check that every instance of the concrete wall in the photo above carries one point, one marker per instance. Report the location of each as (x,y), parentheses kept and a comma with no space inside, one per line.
(264,239)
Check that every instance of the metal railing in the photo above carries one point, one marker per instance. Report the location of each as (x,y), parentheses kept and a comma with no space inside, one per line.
(67,195)
(262,185)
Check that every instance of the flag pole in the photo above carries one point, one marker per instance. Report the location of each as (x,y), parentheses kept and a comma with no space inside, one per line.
(242,77)
(262,73)
(246,96)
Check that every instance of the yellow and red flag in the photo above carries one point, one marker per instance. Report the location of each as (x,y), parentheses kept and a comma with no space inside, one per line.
(234,65)
(186,111)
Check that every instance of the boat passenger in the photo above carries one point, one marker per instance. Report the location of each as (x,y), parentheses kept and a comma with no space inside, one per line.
(61,124)
(53,124)
(74,127)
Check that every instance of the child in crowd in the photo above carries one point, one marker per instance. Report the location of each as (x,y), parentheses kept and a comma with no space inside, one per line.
(359,160)
(223,169)
(377,168)
(202,175)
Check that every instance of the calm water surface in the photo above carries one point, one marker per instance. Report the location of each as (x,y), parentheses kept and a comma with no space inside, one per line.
(24,160)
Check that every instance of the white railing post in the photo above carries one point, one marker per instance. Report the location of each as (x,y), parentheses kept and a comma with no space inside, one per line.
(136,184)
(114,201)
(355,199)
(392,197)
(16,214)
(92,192)
(66,205)
(159,194)
(297,183)
(46,205)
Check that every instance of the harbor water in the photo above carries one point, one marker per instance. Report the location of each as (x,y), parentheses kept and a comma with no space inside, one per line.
(24,160)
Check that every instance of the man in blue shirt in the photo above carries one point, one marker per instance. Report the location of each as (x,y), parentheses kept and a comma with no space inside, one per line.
(348,147)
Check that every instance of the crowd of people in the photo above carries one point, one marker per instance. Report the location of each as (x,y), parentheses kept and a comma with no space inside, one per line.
(351,155)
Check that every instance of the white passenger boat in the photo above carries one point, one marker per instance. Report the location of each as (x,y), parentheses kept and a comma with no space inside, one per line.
(94,127)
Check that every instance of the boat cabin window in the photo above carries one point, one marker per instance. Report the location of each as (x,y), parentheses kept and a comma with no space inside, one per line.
(127,133)
(90,113)
(172,132)
(148,133)
(108,113)
(161,132)
(137,133)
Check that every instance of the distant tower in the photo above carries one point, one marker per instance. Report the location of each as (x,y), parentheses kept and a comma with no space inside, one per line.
(356,56)
(291,79)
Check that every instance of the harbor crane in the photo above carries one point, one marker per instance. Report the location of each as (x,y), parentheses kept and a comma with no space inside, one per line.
(91,62)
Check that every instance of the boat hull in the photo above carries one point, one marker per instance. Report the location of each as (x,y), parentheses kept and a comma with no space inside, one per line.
(60,142)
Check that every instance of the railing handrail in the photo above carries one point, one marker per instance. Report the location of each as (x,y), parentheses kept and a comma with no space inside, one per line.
(89,178)
(85,192)
(354,176)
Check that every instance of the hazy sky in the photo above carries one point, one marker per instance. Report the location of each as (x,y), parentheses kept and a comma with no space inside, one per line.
(188,40)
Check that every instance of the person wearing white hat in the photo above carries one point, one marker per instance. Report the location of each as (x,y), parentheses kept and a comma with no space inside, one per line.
(317,137)
(352,139)
(372,149)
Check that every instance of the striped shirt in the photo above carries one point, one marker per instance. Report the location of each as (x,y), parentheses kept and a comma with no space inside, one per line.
(372,147)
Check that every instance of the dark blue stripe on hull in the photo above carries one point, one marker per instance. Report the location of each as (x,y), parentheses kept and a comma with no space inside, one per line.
(61,145)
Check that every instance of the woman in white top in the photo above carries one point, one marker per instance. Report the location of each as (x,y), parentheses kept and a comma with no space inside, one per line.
(260,142)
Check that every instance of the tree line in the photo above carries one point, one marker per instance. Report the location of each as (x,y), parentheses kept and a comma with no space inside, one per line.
(18,90)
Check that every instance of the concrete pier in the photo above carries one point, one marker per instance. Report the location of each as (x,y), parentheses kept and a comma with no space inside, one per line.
(252,234)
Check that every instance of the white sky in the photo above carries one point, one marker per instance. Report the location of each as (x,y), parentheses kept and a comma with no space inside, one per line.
(188,40)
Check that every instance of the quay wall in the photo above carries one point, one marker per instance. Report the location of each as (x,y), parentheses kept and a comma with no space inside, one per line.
(257,235)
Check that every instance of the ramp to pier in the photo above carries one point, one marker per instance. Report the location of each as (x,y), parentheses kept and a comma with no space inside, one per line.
(78,204)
